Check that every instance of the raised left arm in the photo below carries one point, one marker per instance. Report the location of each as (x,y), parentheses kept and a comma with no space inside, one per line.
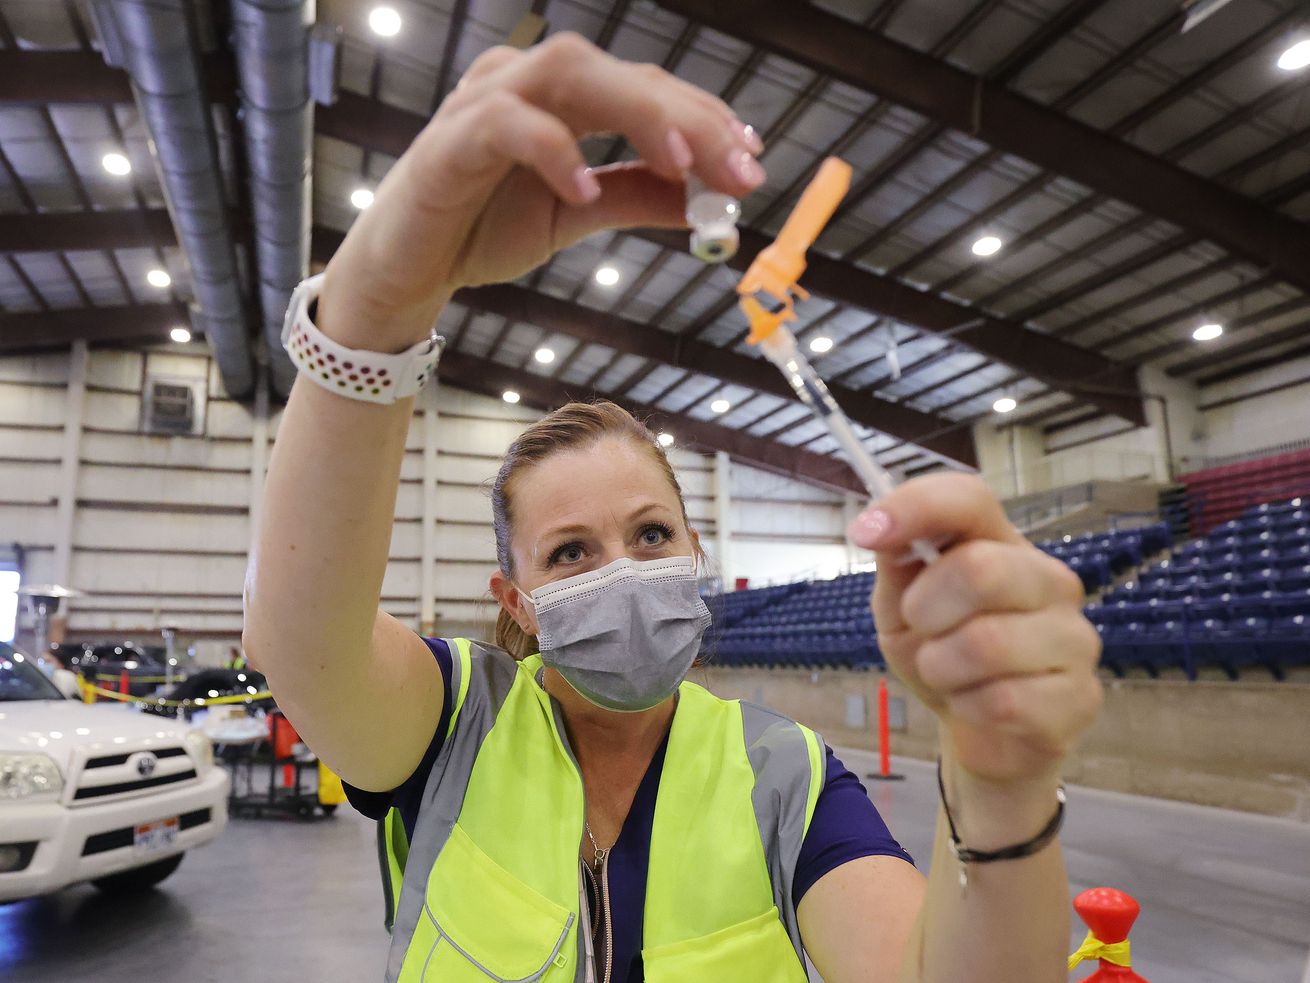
(992,639)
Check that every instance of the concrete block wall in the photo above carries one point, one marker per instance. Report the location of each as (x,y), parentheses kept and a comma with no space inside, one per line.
(156,529)
(1237,745)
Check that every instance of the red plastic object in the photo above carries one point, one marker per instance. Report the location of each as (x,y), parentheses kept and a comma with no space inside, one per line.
(1109,914)
(884,771)
(284,739)
(124,683)
(884,731)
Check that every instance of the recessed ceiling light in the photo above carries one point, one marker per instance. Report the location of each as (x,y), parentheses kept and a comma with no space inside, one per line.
(116,164)
(665,438)
(180,334)
(987,246)
(158,278)
(821,344)
(361,198)
(544,355)
(607,276)
(384,21)
(1295,57)
(720,406)
(1004,405)
(510,396)
(1208,332)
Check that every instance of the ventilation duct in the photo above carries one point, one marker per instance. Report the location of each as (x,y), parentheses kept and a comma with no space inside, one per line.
(272,43)
(158,43)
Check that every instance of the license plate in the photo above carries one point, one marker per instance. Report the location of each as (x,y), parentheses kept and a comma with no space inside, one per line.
(156,836)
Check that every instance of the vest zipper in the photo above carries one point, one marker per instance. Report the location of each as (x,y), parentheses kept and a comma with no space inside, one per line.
(609,928)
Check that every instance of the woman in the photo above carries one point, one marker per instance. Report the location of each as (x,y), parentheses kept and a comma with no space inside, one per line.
(519,777)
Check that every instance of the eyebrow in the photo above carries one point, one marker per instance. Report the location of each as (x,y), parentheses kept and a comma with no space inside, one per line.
(575,529)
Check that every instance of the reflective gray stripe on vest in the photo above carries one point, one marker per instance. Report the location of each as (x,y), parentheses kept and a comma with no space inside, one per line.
(491,674)
(780,758)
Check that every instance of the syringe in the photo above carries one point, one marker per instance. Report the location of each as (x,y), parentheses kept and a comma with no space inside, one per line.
(774,273)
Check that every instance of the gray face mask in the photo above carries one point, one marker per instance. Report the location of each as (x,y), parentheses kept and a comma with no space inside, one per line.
(623,636)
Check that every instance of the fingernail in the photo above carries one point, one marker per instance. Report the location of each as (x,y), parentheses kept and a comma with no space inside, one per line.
(679,150)
(586,183)
(746,168)
(751,138)
(871,528)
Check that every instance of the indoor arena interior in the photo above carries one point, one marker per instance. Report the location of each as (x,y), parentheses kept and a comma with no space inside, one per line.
(840,466)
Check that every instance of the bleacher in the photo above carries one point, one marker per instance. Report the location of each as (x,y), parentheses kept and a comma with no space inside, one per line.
(1099,557)
(1236,599)
(1220,494)
(824,623)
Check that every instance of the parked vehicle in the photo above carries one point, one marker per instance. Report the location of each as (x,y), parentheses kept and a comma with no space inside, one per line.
(97,793)
(104,664)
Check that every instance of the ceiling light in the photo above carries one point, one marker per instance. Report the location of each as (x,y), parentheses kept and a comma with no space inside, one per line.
(607,276)
(1004,405)
(158,278)
(510,396)
(821,344)
(987,246)
(384,21)
(544,355)
(180,334)
(361,198)
(1208,332)
(720,406)
(665,439)
(116,164)
(1295,57)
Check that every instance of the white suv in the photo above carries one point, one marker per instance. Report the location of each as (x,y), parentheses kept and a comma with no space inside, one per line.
(96,793)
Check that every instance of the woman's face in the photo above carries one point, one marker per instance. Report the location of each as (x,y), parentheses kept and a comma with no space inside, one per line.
(580,509)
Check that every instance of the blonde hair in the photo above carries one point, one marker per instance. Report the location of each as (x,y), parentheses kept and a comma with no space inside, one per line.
(572,426)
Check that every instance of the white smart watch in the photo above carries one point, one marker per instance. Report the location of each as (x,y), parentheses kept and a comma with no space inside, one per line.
(374,377)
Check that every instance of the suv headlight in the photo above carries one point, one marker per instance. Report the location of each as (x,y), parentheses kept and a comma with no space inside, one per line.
(26,776)
(201,750)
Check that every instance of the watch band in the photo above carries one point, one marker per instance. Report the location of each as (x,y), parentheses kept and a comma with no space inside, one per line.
(374,377)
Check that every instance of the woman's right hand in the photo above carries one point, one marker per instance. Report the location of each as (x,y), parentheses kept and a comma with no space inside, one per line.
(495,183)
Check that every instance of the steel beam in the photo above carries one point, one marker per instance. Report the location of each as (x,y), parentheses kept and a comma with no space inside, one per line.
(36,78)
(544,393)
(599,327)
(126,228)
(58,328)
(1057,363)
(1008,121)
(376,126)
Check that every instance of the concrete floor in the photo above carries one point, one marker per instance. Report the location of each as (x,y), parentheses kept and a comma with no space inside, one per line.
(1225,897)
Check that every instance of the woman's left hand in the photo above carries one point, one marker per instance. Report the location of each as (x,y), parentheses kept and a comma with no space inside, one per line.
(991,636)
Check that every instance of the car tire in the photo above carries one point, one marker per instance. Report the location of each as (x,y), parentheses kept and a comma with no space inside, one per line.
(328,807)
(139,878)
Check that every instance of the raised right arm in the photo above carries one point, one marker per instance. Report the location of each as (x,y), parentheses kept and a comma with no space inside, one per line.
(492,187)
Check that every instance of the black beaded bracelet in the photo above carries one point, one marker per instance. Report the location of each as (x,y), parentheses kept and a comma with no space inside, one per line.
(963,855)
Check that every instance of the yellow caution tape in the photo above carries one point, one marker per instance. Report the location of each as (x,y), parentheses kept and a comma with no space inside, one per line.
(113,677)
(154,701)
(1094,948)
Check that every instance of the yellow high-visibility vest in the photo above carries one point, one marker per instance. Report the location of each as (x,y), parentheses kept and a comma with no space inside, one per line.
(490,885)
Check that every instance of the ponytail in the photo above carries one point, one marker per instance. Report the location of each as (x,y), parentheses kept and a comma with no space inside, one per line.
(512,638)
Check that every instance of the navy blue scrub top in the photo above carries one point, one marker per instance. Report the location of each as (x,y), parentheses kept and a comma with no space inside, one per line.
(845,826)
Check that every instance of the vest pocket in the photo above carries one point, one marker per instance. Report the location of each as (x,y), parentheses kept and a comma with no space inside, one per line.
(488,924)
(757,950)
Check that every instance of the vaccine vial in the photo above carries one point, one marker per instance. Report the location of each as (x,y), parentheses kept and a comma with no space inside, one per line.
(712,216)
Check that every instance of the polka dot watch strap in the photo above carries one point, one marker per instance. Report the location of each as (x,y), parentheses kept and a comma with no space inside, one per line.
(374,377)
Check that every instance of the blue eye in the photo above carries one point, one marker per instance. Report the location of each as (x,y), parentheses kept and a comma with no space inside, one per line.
(568,553)
(656,534)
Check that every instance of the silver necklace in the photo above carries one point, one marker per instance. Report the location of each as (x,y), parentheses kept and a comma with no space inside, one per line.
(595,847)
